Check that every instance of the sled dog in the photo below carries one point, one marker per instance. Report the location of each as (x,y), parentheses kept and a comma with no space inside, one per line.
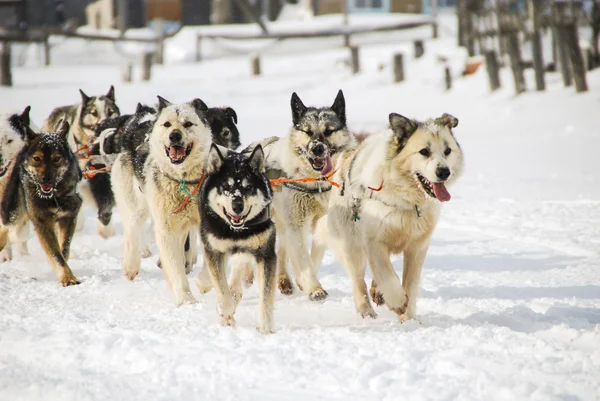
(13,132)
(392,187)
(235,218)
(43,187)
(156,179)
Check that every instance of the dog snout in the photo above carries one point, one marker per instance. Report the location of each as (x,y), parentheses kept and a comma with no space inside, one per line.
(443,173)
(318,150)
(175,137)
(237,205)
(47,177)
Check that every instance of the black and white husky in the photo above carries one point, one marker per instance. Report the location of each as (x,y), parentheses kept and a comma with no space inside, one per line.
(235,218)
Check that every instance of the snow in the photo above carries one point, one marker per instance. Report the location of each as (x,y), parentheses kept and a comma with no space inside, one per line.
(510,300)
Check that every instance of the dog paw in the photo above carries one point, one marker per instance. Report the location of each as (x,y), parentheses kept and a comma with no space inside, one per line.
(105,231)
(227,320)
(131,274)
(186,299)
(5,255)
(377,296)
(189,267)
(285,286)
(401,310)
(318,295)
(69,280)
(406,316)
(366,311)
(264,329)
(145,253)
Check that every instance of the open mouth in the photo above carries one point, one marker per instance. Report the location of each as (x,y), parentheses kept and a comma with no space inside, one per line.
(4,169)
(436,190)
(46,188)
(236,221)
(321,164)
(178,154)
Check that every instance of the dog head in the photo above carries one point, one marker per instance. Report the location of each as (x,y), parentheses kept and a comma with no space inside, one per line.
(96,109)
(429,152)
(222,121)
(47,159)
(181,135)
(319,133)
(13,131)
(237,189)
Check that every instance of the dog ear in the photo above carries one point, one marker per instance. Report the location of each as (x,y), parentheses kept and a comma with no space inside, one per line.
(63,128)
(84,98)
(298,108)
(215,159)
(138,108)
(339,106)
(25,116)
(257,159)
(199,105)
(111,93)
(402,127)
(229,112)
(30,135)
(447,120)
(162,103)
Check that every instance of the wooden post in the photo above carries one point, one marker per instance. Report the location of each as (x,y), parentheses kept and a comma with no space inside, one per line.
(159,28)
(434,13)
(514,52)
(398,67)
(470,32)
(419,48)
(536,46)
(147,66)
(128,72)
(354,59)
(572,44)
(198,48)
(448,78)
(5,65)
(46,52)
(493,70)
(255,65)
(558,22)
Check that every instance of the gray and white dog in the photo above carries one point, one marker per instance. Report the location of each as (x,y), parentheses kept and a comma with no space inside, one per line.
(310,150)
(83,119)
(13,131)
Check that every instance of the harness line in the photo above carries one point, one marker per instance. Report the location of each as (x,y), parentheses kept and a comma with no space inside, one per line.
(188,195)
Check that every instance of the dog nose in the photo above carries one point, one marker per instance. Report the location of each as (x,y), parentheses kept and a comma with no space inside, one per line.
(47,178)
(237,205)
(318,150)
(175,136)
(443,173)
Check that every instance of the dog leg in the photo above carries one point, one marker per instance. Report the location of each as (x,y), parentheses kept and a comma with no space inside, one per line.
(387,279)
(302,263)
(66,229)
(194,234)
(283,279)
(86,194)
(266,270)
(147,239)
(5,246)
(20,236)
(240,264)
(51,247)
(203,281)
(414,258)
(131,233)
(189,265)
(171,250)
(216,266)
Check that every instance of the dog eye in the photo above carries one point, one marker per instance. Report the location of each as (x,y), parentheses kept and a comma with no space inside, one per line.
(187,124)
(327,132)
(425,152)
(226,133)
(309,133)
(56,159)
(94,113)
(447,152)
(9,141)
(37,159)
(167,124)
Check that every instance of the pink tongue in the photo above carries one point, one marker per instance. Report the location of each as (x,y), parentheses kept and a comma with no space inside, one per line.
(176,152)
(440,191)
(327,167)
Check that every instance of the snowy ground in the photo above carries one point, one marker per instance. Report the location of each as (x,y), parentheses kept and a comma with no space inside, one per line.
(510,303)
